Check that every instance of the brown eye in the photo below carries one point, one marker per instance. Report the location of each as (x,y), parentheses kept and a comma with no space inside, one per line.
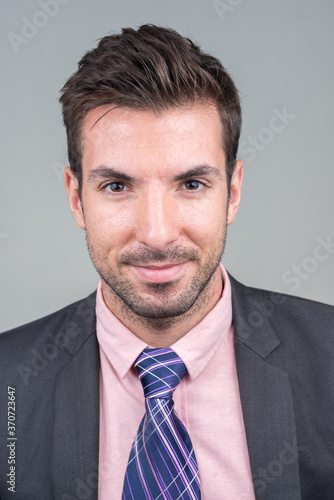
(192,185)
(115,187)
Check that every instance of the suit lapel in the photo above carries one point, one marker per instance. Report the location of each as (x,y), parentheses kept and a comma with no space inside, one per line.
(76,419)
(266,401)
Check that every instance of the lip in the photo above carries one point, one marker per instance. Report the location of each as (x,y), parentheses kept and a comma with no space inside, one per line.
(159,274)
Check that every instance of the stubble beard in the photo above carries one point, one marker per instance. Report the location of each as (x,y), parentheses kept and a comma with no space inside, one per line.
(167,304)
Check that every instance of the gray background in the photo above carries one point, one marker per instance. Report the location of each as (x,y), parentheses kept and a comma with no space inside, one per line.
(280,55)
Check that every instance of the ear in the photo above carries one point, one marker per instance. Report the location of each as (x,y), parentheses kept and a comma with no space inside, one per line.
(71,185)
(235,191)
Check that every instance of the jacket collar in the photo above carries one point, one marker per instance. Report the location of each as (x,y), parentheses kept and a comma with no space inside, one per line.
(252,309)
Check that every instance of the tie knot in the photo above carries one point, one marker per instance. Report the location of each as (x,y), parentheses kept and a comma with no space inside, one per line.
(160,371)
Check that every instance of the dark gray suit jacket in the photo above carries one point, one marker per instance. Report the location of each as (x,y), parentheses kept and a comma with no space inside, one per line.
(285,361)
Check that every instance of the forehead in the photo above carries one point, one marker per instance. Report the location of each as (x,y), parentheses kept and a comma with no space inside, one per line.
(129,136)
(124,121)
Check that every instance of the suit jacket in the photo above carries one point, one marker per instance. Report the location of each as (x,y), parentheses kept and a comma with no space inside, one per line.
(284,349)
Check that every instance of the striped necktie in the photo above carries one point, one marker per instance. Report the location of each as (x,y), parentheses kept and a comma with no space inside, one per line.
(162,463)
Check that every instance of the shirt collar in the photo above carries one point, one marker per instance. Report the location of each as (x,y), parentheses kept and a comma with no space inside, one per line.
(120,345)
(195,348)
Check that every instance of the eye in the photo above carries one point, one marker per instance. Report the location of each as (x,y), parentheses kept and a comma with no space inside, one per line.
(193,185)
(115,187)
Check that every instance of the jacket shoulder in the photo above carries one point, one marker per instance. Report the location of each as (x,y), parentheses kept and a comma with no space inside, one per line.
(36,326)
(251,296)
(58,330)
(281,318)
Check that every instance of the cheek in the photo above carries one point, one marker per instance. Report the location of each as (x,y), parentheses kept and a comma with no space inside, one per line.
(206,224)
(109,224)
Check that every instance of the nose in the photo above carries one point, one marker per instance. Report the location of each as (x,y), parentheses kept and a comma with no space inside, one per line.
(157,220)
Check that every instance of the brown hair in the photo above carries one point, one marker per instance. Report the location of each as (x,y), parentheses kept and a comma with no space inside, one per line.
(152,68)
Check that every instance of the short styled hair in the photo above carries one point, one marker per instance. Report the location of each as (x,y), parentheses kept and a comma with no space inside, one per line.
(151,68)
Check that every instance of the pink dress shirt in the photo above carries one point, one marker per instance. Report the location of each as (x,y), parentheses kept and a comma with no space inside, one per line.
(207,401)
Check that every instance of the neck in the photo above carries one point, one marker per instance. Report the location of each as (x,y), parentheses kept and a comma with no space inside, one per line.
(163,332)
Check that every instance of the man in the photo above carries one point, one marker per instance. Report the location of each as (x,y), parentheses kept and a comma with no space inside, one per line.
(153,126)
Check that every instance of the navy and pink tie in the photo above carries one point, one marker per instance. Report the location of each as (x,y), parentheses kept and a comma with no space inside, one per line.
(162,463)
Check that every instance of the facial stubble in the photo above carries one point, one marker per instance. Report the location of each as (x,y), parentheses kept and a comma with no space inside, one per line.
(167,304)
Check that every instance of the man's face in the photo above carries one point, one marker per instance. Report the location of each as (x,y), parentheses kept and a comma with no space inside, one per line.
(155,205)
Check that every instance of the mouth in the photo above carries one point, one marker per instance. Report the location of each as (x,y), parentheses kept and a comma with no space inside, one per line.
(159,274)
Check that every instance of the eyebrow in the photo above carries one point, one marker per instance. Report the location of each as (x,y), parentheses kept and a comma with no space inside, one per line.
(104,172)
(199,170)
